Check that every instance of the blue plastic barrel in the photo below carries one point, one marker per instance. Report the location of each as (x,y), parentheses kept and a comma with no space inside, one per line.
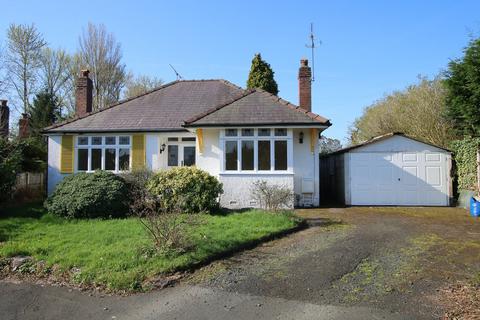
(474,207)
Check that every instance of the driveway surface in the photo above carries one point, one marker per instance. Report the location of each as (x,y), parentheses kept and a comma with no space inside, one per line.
(354,263)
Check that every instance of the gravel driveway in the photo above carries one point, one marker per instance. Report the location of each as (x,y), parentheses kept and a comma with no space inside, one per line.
(398,260)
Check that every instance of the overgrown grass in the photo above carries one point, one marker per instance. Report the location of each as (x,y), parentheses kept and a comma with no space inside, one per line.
(118,253)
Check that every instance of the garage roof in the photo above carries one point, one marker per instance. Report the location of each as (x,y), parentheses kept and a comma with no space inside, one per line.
(383,137)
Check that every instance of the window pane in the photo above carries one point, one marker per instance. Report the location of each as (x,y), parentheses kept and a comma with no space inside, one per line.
(264,155)
(231,132)
(82,161)
(188,139)
(172,139)
(281,132)
(82,141)
(264,132)
(96,161)
(110,140)
(247,155)
(280,155)
(172,156)
(188,156)
(124,159)
(247,132)
(110,159)
(231,155)
(96,140)
(124,140)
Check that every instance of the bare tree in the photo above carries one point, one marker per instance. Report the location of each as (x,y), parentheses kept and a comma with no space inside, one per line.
(139,85)
(24,54)
(3,77)
(102,55)
(55,74)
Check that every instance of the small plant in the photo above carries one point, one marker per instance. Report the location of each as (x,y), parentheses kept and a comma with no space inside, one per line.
(166,226)
(272,197)
(90,195)
(188,189)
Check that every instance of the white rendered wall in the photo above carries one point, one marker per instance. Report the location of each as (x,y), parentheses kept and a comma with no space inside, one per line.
(305,164)
(54,175)
(152,151)
(238,188)
(211,157)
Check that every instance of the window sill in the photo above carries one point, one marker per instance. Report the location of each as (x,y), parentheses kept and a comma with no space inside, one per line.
(256,173)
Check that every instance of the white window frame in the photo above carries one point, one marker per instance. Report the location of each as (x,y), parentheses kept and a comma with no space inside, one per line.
(255,138)
(117,146)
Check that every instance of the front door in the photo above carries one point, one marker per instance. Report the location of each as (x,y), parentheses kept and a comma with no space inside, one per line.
(180,155)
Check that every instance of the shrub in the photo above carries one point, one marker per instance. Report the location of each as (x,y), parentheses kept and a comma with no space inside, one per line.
(192,189)
(10,164)
(272,197)
(89,195)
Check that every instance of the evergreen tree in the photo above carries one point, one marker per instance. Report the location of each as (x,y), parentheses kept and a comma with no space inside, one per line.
(44,112)
(463,90)
(261,76)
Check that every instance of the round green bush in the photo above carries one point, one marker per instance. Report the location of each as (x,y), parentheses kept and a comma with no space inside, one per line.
(188,189)
(90,195)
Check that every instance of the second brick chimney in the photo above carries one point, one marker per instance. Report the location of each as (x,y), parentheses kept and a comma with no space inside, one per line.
(305,85)
(83,94)
(4,118)
(24,126)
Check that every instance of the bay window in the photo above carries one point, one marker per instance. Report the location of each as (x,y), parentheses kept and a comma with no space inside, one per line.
(110,153)
(256,150)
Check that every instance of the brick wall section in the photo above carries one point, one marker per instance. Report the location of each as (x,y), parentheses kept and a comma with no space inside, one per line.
(305,85)
(4,118)
(83,94)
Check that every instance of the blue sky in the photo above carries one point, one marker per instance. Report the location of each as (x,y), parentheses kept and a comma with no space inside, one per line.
(369,48)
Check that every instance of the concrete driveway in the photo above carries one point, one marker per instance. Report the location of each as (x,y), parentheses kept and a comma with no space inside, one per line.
(354,263)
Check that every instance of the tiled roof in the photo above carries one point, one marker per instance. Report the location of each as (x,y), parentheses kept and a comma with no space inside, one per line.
(257,107)
(191,103)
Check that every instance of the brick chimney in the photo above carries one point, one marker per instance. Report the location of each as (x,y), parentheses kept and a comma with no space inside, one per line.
(305,85)
(24,126)
(4,118)
(83,94)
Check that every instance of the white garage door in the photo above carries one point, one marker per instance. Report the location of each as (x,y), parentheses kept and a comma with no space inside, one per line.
(402,178)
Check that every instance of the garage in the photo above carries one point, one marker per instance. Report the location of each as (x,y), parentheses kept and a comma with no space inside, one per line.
(392,169)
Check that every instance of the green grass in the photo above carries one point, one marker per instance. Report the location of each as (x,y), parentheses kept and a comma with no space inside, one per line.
(116,253)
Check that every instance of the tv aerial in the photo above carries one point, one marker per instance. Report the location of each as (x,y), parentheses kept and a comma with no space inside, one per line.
(179,77)
(312,46)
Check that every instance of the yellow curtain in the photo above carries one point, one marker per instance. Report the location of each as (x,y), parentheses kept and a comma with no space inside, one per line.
(138,151)
(200,140)
(66,155)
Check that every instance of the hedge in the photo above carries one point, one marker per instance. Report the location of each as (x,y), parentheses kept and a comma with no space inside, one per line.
(465,155)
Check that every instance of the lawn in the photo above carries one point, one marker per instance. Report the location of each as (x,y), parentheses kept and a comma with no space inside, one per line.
(117,254)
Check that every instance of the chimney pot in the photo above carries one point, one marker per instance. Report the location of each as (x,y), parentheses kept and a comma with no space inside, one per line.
(83,94)
(305,85)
